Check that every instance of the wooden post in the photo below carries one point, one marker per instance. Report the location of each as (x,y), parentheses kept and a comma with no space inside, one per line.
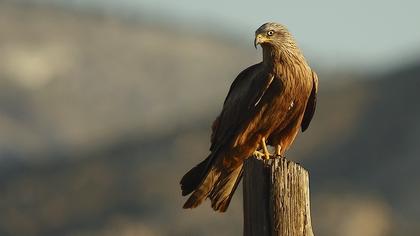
(276,198)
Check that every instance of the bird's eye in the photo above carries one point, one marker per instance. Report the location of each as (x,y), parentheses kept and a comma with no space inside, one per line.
(271,32)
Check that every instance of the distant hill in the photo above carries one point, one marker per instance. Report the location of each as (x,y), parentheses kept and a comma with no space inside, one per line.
(380,154)
(86,77)
(100,117)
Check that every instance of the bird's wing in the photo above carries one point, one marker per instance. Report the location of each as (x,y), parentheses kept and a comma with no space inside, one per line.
(311,104)
(244,93)
(223,172)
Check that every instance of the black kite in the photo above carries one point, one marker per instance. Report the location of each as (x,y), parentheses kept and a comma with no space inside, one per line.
(267,104)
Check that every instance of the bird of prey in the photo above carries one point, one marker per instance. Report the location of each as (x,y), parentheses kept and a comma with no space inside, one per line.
(267,104)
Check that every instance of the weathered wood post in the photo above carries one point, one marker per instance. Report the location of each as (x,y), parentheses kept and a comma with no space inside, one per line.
(276,198)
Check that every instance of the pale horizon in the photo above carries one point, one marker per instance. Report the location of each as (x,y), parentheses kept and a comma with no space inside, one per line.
(366,35)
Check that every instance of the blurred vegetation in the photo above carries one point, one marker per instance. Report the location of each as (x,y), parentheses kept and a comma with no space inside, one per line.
(100,116)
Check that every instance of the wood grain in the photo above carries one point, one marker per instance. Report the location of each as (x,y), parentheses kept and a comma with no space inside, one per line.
(276,198)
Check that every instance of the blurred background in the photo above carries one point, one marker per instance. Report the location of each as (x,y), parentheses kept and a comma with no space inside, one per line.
(104,105)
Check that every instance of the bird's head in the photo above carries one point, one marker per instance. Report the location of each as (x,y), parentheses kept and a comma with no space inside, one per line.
(272,34)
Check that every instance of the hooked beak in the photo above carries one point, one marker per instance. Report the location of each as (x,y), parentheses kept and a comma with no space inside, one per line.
(258,40)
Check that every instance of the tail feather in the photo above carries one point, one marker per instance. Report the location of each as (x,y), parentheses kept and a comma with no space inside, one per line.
(194,177)
(201,193)
(211,180)
(224,188)
(219,186)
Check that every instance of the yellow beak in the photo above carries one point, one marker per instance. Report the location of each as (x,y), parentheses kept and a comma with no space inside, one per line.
(259,39)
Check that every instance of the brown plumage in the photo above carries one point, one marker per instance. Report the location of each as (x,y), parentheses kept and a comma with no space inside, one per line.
(269,101)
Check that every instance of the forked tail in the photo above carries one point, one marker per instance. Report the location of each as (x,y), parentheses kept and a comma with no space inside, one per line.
(210,179)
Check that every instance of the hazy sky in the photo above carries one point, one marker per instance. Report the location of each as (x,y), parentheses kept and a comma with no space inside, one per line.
(361,33)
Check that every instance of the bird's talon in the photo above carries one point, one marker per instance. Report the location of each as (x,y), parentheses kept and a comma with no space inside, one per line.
(264,146)
(258,155)
(267,156)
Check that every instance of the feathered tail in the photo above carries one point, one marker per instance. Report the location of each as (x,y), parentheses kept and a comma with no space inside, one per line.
(207,181)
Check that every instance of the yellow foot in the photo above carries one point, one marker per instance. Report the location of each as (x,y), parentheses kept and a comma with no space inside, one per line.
(266,153)
(278,151)
(258,154)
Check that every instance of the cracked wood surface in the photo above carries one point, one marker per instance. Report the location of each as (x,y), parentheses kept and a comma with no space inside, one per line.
(276,198)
